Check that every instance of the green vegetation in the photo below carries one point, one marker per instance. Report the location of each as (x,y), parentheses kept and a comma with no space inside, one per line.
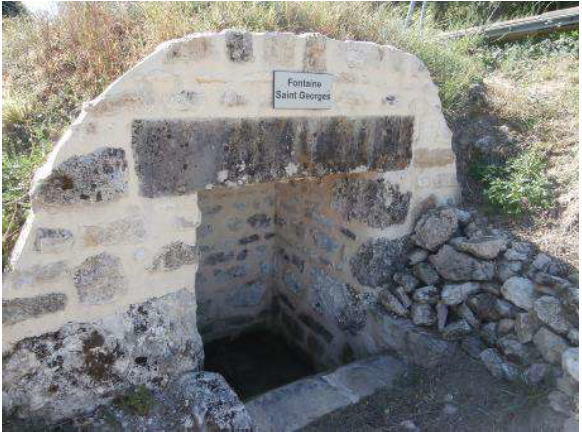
(52,64)
(139,401)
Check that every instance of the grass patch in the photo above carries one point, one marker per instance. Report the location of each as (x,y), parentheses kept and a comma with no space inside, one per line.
(139,401)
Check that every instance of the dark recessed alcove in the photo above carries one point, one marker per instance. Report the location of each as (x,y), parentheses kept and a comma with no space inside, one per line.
(256,361)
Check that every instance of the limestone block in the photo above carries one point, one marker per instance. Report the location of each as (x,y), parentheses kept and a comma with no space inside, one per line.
(230,98)
(191,48)
(377,260)
(99,279)
(426,158)
(279,49)
(52,240)
(239,46)
(373,202)
(36,275)
(314,59)
(124,231)
(21,309)
(175,255)
(98,177)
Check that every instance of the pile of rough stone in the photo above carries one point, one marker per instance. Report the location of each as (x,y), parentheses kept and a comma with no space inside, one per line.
(514,309)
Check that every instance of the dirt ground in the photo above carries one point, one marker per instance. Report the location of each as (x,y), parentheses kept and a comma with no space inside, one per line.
(462,396)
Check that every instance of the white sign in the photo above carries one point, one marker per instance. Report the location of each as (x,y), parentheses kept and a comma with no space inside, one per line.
(302,90)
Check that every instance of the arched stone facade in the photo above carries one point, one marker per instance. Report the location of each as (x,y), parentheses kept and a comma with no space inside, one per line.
(107,260)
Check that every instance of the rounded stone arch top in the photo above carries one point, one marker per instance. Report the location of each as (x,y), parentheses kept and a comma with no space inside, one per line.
(114,209)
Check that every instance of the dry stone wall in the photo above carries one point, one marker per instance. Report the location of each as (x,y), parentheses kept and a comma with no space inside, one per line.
(111,239)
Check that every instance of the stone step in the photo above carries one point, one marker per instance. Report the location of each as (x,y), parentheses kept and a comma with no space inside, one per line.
(295,405)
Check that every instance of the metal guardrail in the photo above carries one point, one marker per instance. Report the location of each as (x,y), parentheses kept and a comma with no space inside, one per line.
(560,20)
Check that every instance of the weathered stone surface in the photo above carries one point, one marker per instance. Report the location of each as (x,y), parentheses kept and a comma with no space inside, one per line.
(52,240)
(100,176)
(248,295)
(488,333)
(505,309)
(457,330)
(572,299)
(519,251)
(497,366)
(239,46)
(486,247)
(71,371)
(455,266)
(573,336)
(314,59)
(175,255)
(567,385)
(175,157)
(426,273)
(402,296)
(406,281)
(549,310)
(21,309)
(541,262)
(435,228)
(426,295)
(560,402)
(505,326)
(514,350)
(377,260)
(550,345)
(423,315)
(536,373)
(465,313)
(442,314)
(473,346)
(99,279)
(316,327)
(337,300)
(483,304)
(126,230)
(520,291)
(373,202)
(433,158)
(279,49)
(416,256)
(425,350)
(454,294)
(570,361)
(526,325)
(507,269)
(392,304)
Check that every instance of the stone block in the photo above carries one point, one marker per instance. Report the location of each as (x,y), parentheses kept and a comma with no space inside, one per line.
(192,49)
(52,240)
(293,327)
(314,59)
(248,295)
(21,309)
(279,49)
(239,46)
(124,231)
(175,157)
(230,98)
(316,327)
(97,177)
(425,158)
(377,260)
(375,203)
(175,255)
(259,221)
(36,275)
(99,279)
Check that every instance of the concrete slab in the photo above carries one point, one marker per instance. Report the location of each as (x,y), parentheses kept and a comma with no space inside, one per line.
(293,406)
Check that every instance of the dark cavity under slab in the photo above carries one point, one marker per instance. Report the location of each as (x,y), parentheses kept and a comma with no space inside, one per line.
(175,157)
(257,361)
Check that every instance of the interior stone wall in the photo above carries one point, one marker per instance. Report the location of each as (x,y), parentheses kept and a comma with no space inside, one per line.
(111,239)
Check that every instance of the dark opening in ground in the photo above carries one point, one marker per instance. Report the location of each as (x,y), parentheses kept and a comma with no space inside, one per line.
(256,361)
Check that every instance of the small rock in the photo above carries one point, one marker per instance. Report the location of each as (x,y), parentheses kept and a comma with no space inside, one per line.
(571,299)
(574,278)
(507,269)
(567,385)
(408,425)
(442,314)
(505,326)
(519,251)
(486,247)
(426,295)
(402,297)
(505,309)
(392,304)
(426,273)
(570,360)
(490,287)
(572,425)
(560,402)
(536,373)
(483,304)
(457,330)
(435,228)
(514,350)
(497,366)
(465,312)
(406,280)
(453,294)
(556,283)
(473,346)
(450,409)
(489,333)
(550,345)
(541,262)
(520,292)
(416,256)
(573,336)
(463,216)
(526,325)
(455,266)
(549,310)
(423,315)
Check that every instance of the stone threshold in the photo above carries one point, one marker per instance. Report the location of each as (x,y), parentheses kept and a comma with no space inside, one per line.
(293,406)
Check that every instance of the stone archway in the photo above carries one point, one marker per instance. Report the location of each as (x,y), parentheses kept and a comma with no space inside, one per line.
(102,281)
